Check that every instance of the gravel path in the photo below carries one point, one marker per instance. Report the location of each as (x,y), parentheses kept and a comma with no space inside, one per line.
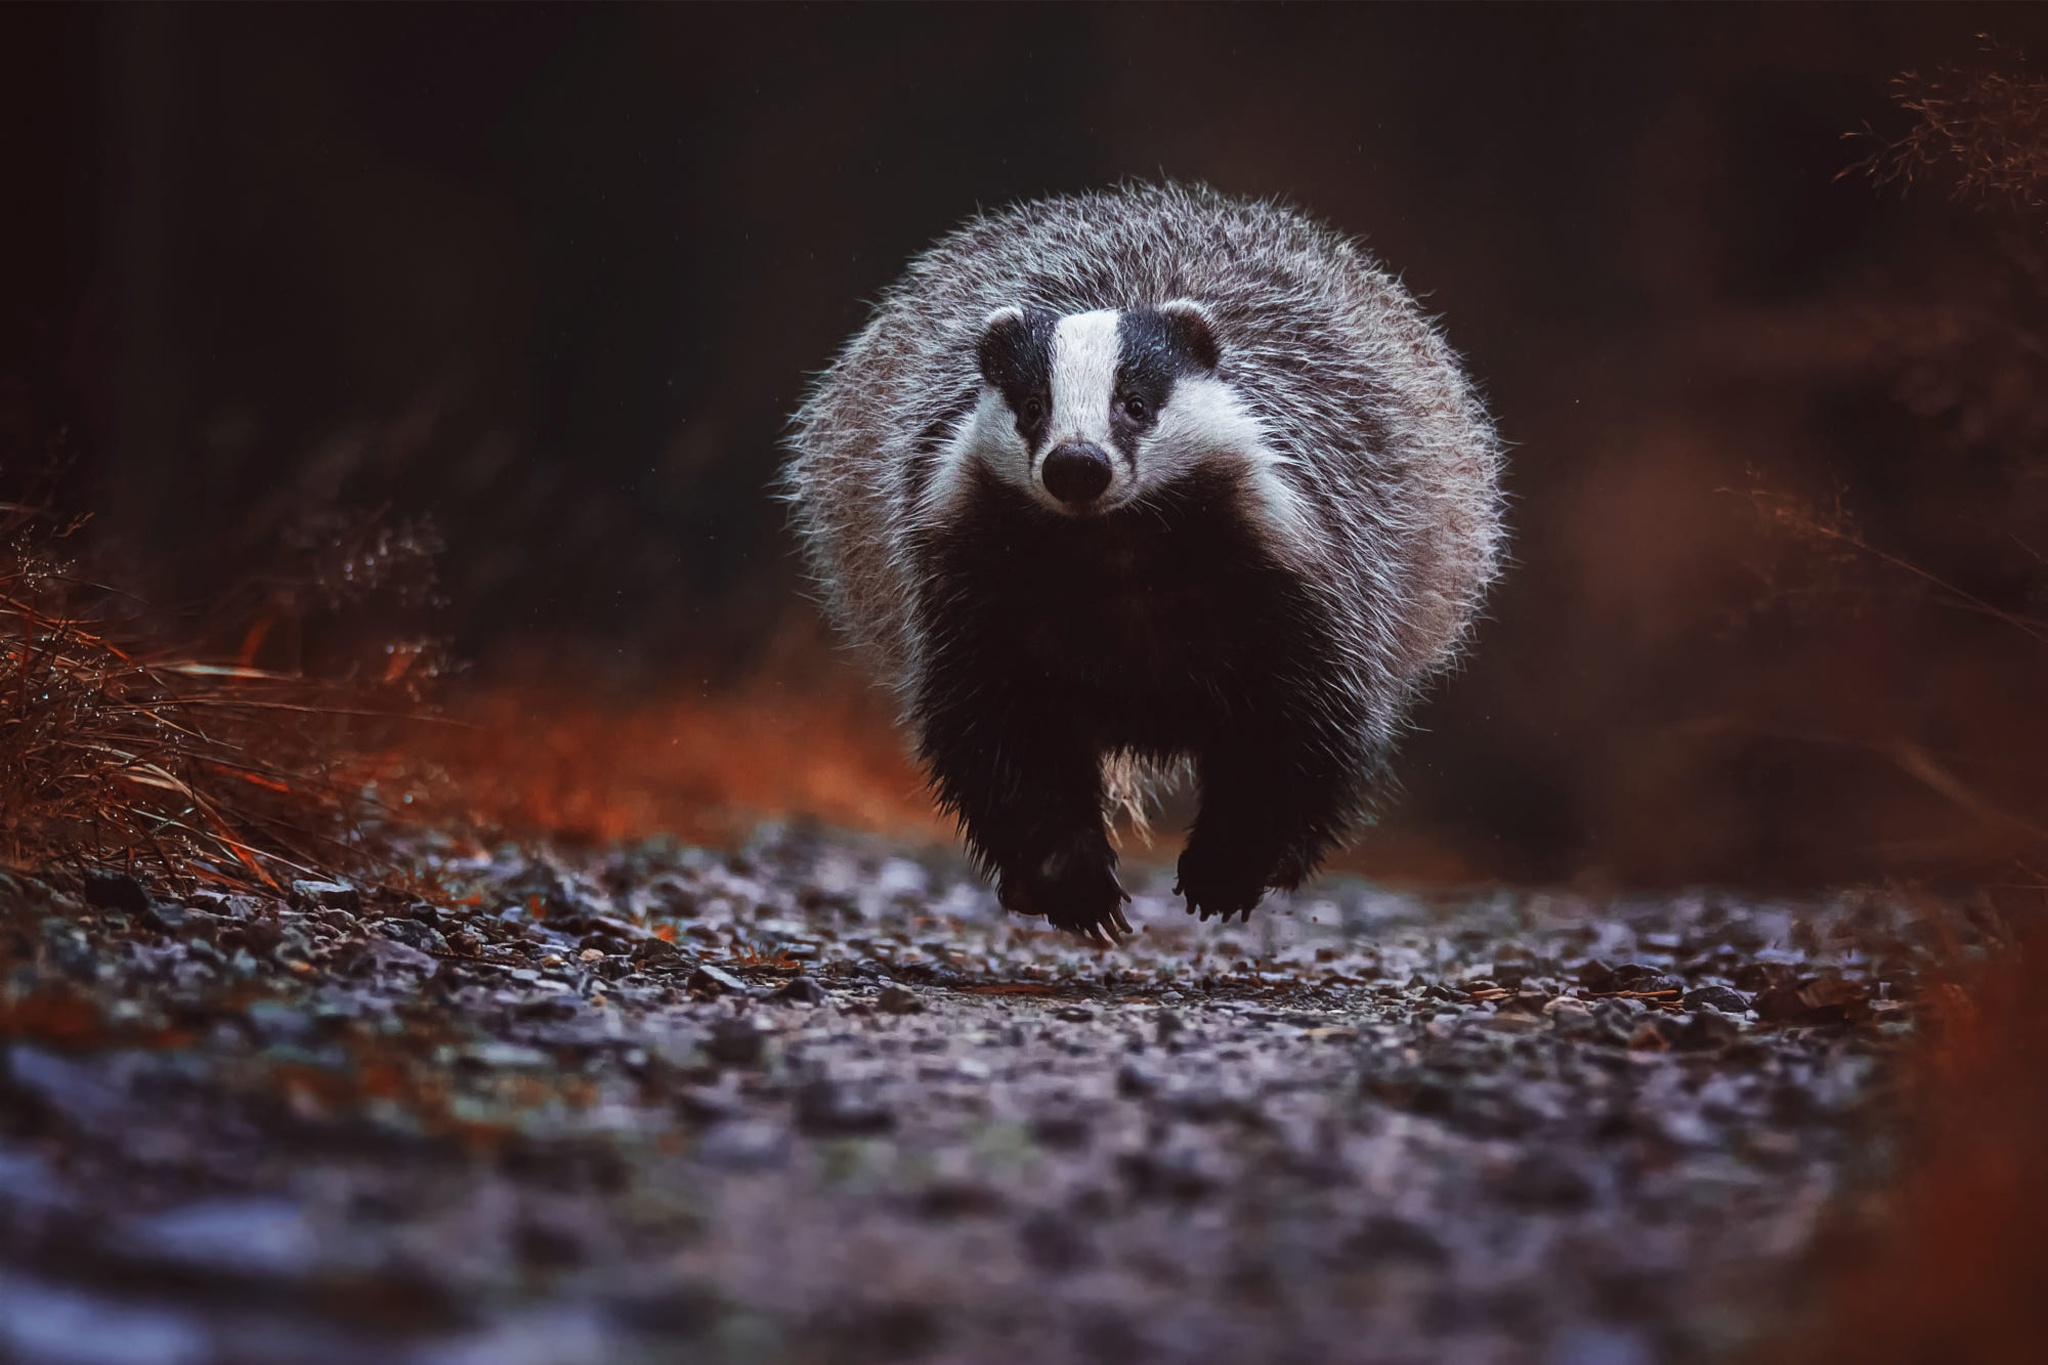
(819,1101)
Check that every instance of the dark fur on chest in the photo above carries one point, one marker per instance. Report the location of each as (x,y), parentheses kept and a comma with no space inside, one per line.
(1157,628)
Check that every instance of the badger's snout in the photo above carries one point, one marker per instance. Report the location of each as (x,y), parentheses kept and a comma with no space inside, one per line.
(1076,472)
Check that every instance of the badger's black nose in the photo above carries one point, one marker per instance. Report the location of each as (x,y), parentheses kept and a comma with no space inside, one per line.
(1076,472)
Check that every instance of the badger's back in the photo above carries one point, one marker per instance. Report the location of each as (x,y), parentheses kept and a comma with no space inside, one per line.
(1392,456)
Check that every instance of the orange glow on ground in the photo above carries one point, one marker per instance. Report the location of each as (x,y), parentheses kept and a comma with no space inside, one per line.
(543,761)
(1957,1272)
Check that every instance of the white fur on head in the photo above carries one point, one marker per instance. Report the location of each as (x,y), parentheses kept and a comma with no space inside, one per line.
(1202,422)
(1084,359)
(1205,423)
(988,438)
(1196,326)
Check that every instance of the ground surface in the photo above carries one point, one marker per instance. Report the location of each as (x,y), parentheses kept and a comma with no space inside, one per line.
(820,1102)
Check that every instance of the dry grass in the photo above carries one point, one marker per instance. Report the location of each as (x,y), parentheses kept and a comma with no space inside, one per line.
(126,746)
(1955,1272)
(1982,128)
(119,751)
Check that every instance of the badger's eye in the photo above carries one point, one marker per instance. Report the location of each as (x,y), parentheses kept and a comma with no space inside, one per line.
(1136,408)
(1032,410)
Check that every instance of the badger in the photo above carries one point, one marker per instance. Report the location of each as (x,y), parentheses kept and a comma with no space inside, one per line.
(1123,484)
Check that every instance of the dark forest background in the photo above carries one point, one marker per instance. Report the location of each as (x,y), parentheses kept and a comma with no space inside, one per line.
(556,277)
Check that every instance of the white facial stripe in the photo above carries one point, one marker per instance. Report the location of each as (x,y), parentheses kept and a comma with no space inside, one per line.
(1204,422)
(1084,355)
(987,435)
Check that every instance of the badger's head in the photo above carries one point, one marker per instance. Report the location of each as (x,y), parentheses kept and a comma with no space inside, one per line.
(1088,412)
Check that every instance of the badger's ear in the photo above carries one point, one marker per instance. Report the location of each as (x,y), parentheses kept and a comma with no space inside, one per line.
(1193,331)
(1003,338)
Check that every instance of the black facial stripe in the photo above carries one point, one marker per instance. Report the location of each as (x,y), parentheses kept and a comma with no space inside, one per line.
(1016,358)
(1149,360)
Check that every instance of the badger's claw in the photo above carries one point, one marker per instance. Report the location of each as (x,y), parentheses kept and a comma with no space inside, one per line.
(1083,897)
(1216,885)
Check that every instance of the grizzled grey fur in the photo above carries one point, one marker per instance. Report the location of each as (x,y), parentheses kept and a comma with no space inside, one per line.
(1116,482)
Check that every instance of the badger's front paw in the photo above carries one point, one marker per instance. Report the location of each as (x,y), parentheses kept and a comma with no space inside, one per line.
(1073,890)
(1221,881)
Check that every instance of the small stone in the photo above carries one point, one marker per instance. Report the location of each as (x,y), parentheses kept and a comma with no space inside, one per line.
(710,980)
(897,1000)
(1704,1031)
(1387,1238)
(307,895)
(1169,1174)
(707,1105)
(1756,977)
(1133,1082)
(750,1145)
(44,1322)
(1826,1000)
(825,1108)
(1634,976)
(1074,1014)
(1061,1130)
(413,934)
(653,955)
(1600,1346)
(947,1199)
(800,990)
(166,918)
(75,1089)
(734,1042)
(1781,1005)
(1545,1180)
(1054,1243)
(249,1236)
(277,1021)
(1718,997)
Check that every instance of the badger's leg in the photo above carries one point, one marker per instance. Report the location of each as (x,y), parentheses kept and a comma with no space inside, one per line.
(1028,793)
(1272,807)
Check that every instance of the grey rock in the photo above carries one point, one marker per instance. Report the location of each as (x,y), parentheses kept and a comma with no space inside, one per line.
(1600,1346)
(827,1108)
(1384,1237)
(73,1088)
(710,980)
(734,1042)
(800,990)
(1135,1082)
(1717,997)
(750,1145)
(48,1324)
(413,933)
(1055,1243)
(327,896)
(266,1237)
(166,918)
(1545,1180)
(898,1000)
